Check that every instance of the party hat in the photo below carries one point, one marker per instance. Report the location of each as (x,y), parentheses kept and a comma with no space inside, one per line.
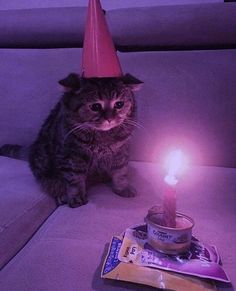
(99,54)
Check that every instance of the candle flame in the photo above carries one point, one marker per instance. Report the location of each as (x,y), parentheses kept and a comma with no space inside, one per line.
(175,164)
(171,180)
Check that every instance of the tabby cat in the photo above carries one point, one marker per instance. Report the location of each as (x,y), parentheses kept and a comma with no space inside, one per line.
(85,138)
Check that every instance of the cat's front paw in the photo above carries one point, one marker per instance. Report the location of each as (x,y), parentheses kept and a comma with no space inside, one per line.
(61,200)
(77,201)
(127,192)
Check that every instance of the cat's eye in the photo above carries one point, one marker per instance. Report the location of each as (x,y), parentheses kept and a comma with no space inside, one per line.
(119,104)
(96,107)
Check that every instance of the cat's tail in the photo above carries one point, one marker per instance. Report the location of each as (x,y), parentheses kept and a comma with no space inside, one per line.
(15,151)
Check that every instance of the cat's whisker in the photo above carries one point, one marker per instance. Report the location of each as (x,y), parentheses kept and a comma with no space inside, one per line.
(78,128)
(124,126)
(132,120)
(134,123)
(71,131)
(127,124)
(138,125)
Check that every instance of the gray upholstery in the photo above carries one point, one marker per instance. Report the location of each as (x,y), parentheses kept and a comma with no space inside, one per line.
(180,26)
(106,4)
(183,26)
(49,27)
(23,207)
(68,250)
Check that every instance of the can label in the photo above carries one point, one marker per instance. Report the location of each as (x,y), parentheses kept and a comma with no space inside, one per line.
(179,237)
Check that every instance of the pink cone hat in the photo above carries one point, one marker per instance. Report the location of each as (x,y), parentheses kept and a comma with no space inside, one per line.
(99,54)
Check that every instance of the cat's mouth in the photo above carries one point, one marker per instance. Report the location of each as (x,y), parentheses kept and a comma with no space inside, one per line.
(106,125)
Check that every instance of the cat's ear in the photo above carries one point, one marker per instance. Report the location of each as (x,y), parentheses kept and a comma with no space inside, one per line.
(132,82)
(71,82)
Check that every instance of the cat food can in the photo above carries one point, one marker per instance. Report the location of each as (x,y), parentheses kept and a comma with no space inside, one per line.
(166,239)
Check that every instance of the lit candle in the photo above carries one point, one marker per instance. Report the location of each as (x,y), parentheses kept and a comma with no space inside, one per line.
(174,163)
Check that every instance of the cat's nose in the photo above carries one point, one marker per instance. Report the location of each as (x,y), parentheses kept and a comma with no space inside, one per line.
(108,115)
(108,119)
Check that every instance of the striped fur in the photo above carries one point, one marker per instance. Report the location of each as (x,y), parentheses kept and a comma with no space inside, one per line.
(79,145)
(15,151)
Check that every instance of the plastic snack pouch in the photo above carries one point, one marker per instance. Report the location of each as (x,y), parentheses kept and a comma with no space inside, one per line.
(201,260)
(114,269)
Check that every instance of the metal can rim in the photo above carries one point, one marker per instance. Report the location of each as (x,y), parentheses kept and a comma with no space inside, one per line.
(178,214)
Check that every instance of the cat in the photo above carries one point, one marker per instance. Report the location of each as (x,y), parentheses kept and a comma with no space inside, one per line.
(85,139)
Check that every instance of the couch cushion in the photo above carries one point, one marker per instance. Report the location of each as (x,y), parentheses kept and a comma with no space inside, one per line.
(23,207)
(44,27)
(174,27)
(68,250)
(187,100)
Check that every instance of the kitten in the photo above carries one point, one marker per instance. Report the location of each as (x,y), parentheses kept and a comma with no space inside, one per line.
(85,138)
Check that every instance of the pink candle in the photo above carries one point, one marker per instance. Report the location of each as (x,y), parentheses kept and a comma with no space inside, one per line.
(174,164)
(169,202)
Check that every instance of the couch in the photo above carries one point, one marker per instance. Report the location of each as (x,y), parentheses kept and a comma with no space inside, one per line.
(186,57)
